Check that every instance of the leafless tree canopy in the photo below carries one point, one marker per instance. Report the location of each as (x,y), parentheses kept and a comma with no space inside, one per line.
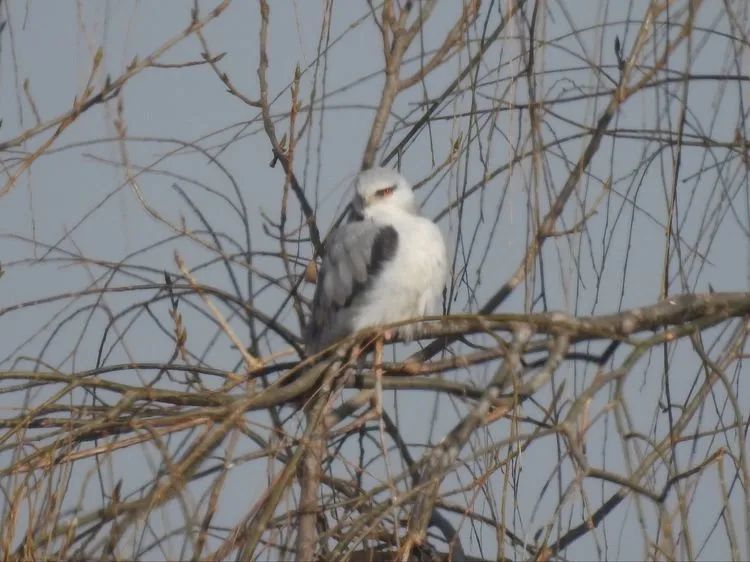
(170,176)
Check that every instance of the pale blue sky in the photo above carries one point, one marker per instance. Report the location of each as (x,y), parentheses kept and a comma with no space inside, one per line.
(73,196)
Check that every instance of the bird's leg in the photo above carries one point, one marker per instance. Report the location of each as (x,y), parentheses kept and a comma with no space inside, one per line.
(380,339)
(356,352)
(377,401)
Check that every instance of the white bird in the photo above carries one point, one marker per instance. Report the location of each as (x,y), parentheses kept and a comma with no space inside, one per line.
(387,264)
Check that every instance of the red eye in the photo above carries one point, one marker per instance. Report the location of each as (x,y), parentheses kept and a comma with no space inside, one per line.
(385,191)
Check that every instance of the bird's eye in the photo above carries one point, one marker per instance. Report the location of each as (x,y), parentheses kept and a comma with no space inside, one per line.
(385,191)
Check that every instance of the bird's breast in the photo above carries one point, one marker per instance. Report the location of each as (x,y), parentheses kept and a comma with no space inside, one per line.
(410,284)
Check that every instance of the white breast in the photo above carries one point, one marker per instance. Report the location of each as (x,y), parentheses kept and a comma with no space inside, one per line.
(411,284)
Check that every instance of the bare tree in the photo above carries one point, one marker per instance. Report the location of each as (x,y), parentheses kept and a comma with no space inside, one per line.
(583,394)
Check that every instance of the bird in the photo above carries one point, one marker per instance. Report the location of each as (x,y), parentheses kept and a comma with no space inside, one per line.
(386,264)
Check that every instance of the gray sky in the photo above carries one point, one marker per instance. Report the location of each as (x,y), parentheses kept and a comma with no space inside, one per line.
(76,199)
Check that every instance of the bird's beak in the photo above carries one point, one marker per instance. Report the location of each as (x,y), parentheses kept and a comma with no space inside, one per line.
(358,206)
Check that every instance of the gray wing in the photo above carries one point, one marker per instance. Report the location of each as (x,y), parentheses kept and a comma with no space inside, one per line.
(353,257)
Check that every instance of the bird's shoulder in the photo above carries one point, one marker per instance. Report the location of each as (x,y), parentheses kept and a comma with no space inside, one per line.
(355,253)
(421,231)
(361,238)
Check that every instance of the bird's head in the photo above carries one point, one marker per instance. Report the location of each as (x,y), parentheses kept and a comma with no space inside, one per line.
(380,187)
